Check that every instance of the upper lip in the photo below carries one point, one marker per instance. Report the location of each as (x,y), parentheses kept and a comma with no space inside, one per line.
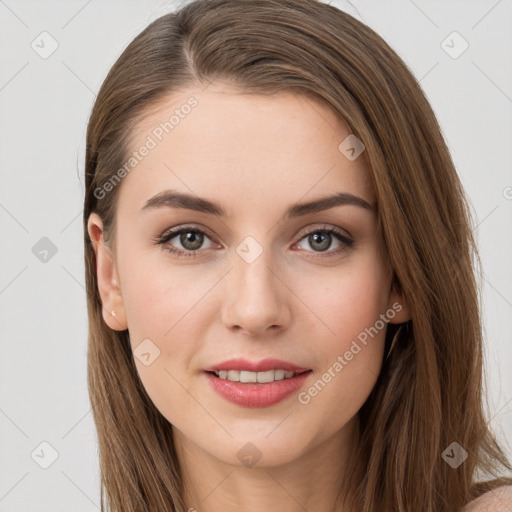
(256,366)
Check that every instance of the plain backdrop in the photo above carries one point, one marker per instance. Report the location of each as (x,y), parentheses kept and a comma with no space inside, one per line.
(45,102)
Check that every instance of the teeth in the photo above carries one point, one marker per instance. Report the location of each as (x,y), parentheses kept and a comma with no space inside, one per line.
(248,376)
(279,374)
(262,377)
(233,375)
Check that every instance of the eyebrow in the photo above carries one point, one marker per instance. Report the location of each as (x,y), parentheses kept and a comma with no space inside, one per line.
(174,199)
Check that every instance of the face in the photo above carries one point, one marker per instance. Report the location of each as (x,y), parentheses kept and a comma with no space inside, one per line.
(201,285)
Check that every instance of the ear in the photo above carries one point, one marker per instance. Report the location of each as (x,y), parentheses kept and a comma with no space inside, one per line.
(397,304)
(107,277)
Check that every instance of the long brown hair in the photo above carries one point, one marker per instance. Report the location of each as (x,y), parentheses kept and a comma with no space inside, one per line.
(429,392)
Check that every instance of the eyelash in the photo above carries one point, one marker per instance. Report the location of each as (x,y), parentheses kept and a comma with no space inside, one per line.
(169,235)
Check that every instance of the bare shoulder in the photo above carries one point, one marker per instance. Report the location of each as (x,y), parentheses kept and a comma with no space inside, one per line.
(497,500)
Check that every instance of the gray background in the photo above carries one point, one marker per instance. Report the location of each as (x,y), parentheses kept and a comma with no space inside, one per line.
(44,108)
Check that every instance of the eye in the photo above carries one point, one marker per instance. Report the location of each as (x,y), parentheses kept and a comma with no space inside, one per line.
(321,239)
(191,239)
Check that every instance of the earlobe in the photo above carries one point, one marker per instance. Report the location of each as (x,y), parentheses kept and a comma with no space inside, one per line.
(397,304)
(106,274)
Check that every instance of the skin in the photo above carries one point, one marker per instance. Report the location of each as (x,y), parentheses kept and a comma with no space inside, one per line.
(255,155)
(497,500)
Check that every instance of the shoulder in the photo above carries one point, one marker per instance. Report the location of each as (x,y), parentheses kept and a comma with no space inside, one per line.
(497,500)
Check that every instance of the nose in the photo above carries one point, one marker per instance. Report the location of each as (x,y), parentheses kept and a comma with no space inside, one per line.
(256,299)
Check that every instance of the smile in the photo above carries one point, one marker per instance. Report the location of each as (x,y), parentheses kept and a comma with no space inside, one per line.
(247,392)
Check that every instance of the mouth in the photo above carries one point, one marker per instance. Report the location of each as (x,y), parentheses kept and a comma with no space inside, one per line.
(256,389)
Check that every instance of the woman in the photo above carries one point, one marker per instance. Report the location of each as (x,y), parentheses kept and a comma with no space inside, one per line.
(232,363)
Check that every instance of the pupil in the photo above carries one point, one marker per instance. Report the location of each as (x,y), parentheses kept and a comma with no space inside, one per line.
(193,238)
(326,241)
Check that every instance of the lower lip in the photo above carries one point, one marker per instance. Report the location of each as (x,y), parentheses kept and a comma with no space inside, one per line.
(255,394)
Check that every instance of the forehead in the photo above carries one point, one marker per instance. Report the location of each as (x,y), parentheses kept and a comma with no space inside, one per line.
(264,148)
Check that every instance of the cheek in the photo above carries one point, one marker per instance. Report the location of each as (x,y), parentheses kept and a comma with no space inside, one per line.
(162,305)
(349,351)
(169,305)
(350,302)
(353,350)
(160,298)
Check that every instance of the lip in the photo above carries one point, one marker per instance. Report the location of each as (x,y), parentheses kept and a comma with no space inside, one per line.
(256,366)
(256,394)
